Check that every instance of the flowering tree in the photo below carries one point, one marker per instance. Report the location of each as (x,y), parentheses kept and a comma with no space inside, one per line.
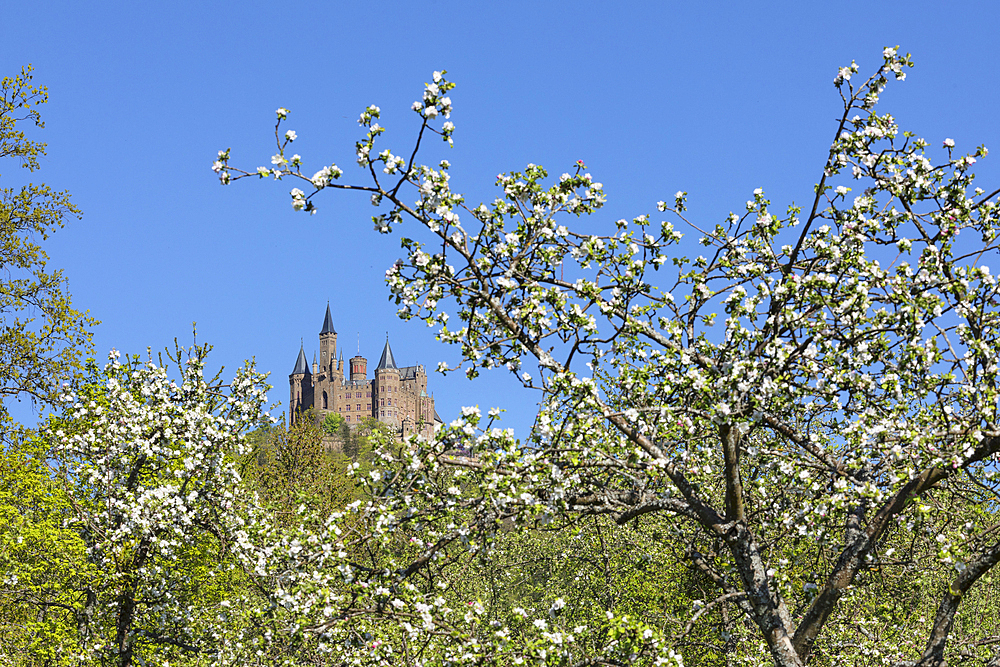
(150,466)
(788,406)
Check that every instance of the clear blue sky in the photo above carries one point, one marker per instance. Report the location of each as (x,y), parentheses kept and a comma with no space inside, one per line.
(716,98)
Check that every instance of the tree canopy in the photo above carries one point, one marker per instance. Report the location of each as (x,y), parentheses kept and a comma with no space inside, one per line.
(42,341)
(42,337)
(807,404)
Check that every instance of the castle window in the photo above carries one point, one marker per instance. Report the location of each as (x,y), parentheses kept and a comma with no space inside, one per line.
(383,402)
(324,401)
(359,407)
(390,401)
(348,417)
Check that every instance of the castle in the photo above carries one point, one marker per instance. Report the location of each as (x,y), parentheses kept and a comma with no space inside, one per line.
(396,396)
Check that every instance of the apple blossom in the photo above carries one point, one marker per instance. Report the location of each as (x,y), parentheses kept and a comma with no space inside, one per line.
(785,389)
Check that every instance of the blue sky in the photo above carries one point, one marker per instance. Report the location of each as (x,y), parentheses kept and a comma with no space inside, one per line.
(715,98)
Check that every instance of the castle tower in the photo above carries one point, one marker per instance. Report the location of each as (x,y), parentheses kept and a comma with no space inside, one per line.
(359,369)
(387,404)
(328,344)
(299,386)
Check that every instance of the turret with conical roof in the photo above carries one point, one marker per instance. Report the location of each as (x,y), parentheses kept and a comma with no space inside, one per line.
(328,321)
(301,365)
(386,361)
(386,388)
(300,387)
(328,344)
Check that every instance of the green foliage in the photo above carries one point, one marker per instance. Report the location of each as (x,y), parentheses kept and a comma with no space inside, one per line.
(311,464)
(332,423)
(575,575)
(361,441)
(42,337)
(42,560)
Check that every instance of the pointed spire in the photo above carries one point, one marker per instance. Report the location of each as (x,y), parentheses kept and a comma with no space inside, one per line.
(386,361)
(328,322)
(301,365)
